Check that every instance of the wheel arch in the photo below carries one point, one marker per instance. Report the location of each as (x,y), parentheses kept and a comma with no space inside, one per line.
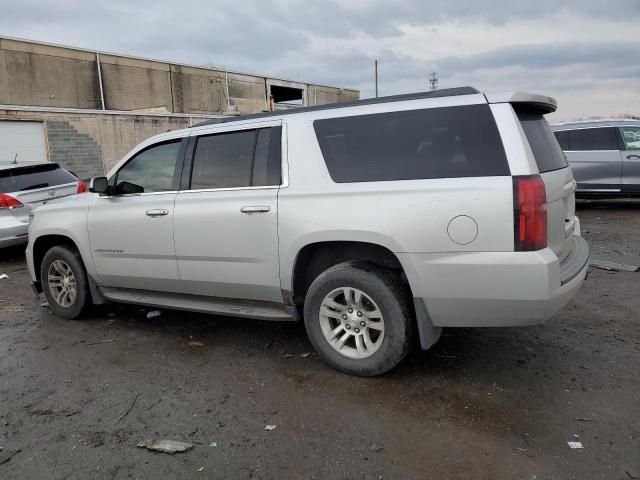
(314,258)
(43,243)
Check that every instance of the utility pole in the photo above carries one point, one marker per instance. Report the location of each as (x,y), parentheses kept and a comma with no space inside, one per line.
(375,66)
(433,80)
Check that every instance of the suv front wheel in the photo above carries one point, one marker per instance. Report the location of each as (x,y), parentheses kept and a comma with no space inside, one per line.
(359,318)
(64,282)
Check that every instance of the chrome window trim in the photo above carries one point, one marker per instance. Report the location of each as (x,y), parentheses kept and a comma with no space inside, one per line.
(583,128)
(585,151)
(126,195)
(599,190)
(231,189)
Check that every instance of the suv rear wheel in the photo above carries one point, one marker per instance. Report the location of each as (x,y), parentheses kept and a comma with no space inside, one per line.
(359,318)
(64,282)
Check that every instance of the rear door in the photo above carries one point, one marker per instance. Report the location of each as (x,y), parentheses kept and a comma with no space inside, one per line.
(558,178)
(594,156)
(131,231)
(630,159)
(226,218)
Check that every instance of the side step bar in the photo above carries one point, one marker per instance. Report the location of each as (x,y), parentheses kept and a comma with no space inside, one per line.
(201,304)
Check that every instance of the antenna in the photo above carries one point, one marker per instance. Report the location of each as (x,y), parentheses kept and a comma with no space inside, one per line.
(15,159)
(433,80)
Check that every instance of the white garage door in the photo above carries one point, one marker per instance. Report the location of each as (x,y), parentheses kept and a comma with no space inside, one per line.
(24,138)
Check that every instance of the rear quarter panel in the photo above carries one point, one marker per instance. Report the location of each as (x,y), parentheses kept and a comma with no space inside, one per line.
(404,216)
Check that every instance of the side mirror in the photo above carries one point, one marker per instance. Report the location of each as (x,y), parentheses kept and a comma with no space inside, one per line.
(99,185)
(128,188)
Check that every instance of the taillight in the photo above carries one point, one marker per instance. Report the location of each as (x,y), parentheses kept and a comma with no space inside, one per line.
(8,202)
(82,186)
(529,213)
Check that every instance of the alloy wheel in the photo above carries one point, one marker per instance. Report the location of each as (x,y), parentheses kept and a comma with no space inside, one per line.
(351,322)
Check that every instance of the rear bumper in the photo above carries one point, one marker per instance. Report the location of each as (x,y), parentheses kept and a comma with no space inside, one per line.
(495,289)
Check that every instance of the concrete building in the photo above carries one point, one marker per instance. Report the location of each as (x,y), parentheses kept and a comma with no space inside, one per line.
(86,109)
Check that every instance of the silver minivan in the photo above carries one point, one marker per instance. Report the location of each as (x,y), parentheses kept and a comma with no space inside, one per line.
(604,155)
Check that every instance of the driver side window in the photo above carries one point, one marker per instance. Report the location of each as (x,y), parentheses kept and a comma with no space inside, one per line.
(151,170)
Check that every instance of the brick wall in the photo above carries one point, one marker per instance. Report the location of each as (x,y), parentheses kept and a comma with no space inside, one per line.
(75,151)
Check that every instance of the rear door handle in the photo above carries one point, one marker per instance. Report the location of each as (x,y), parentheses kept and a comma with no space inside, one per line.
(255,209)
(633,156)
(157,212)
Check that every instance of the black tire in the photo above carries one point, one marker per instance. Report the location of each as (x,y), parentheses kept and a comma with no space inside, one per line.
(393,300)
(82,298)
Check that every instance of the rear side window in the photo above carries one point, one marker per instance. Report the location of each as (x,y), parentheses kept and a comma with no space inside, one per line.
(417,144)
(237,159)
(267,164)
(582,139)
(37,176)
(546,150)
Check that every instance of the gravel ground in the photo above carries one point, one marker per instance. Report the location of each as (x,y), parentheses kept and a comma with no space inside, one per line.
(76,397)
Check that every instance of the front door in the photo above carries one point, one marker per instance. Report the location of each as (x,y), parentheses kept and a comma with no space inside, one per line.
(631,159)
(131,230)
(226,229)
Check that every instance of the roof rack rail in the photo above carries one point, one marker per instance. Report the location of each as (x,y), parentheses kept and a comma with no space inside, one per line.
(445,92)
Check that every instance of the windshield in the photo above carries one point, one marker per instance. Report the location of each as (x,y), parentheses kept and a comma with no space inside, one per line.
(29,178)
(546,150)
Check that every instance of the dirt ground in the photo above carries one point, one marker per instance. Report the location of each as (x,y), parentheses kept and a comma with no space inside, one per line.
(77,396)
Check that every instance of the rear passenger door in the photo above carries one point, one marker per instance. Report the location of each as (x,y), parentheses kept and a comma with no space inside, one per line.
(594,156)
(226,230)
(630,159)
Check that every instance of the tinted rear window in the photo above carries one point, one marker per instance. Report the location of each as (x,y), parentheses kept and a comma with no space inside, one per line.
(546,150)
(29,178)
(416,144)
(585,139)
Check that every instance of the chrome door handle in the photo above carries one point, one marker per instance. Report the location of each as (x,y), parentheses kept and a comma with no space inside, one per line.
(255,209)
(157,213)
(633,156)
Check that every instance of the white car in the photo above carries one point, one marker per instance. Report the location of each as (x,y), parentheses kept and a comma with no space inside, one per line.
(375,221)
(25,186)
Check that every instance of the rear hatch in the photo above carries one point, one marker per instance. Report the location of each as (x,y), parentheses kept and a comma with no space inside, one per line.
(560,186)
(34,185)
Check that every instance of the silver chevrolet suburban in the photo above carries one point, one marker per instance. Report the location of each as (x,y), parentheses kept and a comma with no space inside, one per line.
(378,222)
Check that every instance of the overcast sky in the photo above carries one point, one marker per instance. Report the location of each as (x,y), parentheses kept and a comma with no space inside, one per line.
(586,53)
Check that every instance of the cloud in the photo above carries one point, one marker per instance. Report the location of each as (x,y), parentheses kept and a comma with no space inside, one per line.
(577,50)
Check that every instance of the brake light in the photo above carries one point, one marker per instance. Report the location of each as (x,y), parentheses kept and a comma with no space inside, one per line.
(82,186)
(7,202)
(529,213)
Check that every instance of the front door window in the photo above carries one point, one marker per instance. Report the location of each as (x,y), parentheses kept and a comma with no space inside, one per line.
(152,170)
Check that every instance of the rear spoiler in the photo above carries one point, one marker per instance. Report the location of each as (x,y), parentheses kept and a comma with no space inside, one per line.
(541,103)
